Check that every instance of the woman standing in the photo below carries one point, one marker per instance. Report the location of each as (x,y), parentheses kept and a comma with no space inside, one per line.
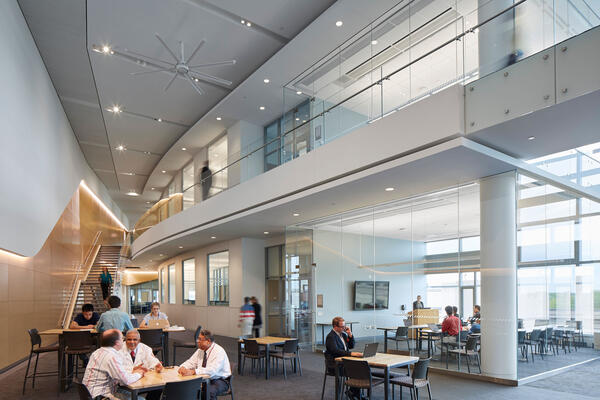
(105,282)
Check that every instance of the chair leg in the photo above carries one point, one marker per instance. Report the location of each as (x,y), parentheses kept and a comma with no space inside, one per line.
(27,371)
(478,363)
(299,363)
(417,393)
(324,381)
(429,390)
(174,351)
(37,357)
(284,372)
(468,364)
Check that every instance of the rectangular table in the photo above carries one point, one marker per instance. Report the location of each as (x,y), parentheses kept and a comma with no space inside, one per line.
(165,339)
(153,380)
(266,341)
(379,360)
(324,324)
(417,327)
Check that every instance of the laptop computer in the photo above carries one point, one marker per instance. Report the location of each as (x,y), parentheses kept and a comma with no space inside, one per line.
(434,328)
(370,350)
(158,323)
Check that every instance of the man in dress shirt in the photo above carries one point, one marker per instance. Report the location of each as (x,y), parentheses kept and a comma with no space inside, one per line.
(155,313)
(136,354)
(114,318)
(210,359)
(106,369)
(339,342)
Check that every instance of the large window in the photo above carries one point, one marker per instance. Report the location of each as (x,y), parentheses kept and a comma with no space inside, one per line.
(218,278)
(217,161)
(172,292)
(189,281)
(188,185)
(163,285)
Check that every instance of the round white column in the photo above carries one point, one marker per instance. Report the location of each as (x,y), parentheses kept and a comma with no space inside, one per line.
(498,276)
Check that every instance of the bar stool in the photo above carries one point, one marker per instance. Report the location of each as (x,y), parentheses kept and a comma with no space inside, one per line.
(77,343)
(36,340)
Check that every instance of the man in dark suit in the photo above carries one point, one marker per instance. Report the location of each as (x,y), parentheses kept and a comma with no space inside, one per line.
(339,342)
(418,304)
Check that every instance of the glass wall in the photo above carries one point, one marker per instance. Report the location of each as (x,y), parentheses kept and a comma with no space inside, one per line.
(141,297)
(163,285)
(187,183)
(217,160)
(189,281)
(172,285)
(218,279)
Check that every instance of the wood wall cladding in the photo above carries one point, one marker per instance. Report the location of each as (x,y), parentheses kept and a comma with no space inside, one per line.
(34,290)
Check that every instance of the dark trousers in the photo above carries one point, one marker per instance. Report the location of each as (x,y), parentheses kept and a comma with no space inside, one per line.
(217,386)
(256,331)
(105,290)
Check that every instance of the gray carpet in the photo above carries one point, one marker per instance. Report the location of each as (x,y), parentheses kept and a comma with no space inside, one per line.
(308,386)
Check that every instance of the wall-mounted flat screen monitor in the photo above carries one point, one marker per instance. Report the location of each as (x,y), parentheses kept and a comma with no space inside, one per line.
(369,295)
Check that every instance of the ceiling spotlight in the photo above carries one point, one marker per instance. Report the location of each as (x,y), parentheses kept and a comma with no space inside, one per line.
(184,148)
(213,237)
(120,147)
(152,188)
(248,24)
(296,214)
(218,118)
(195,79)
(389,189)
(298,92)
(373,42)
(129,173)
(266,80)
(181,247)
(531,138)
(261,108)
(339,23)
(147,153)
(163,171)
(159,119)
(266,232)
(297,119)
(243,22)
(303,120)
(148,202)
(132,193)
(115,109)
(160,255)
(105,49)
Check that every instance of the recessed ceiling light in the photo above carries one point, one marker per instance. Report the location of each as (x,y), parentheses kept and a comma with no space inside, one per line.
(129,173)
(296,214)
(297,119)
(181,247)
(163,171)
(266,80)
(303,120)
(148,202)
(261,107)
(153,189)
(159,119)
(105,49)
(184,148)
(120,147)
(213,237)
(298,92)
(531,138)
(115,109)
(218,118)
(243,21)
(195,79)
(339,23)
(132,193)
(266,232)
(160,255)
(389,189)
(248,24)
(147,153)
(373,42)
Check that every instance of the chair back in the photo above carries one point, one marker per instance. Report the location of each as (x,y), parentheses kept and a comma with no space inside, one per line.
(519,323)
(135,323)
(463,335)
(35,337)
(182,390)
(398,352)
(558,333)
(251,347)
(78,340)
(548,333)
(290,346)
(471,343)
(84,393)
(535,335)
(197,333)
(521,337)
(401,332)
(421,369)
(151,337)
(356,369)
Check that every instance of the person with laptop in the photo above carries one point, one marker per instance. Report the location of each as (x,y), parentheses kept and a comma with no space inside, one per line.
(155,314)
(114,318)
(86,319)
(339,343)
(475,320)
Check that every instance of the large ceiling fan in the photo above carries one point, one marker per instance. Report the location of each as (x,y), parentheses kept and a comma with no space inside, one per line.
(180,67)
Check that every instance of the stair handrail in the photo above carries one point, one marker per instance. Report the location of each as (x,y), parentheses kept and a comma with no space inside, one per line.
(86,265)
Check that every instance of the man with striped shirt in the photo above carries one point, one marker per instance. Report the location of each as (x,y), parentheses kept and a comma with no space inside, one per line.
(246,318)
(106,369)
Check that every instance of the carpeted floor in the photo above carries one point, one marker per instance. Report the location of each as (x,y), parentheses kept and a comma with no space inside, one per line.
(308,386)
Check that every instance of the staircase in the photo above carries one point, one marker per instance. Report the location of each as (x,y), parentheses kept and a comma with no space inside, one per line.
(90,290)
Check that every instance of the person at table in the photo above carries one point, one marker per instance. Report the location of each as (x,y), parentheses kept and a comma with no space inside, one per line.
(155,314)
(86,319)
(475,320)
(450,326)
(339,342)
(418,304)
(256,325)
(106,368)
(136,354)
(114,318)
(210,359)
(246,318)
(455,312)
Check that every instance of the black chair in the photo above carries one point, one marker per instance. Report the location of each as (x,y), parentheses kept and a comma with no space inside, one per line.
(36,340)
(468,351)
(291,352)
(84,393)
(357,375)
(533,342)
(135,323)
(77,343)
(153,338)
(560,338)
(229,391)
(418,380)
(186,345)
(401,335)
(182,390)
(253,352)
(329,371)
(522,346)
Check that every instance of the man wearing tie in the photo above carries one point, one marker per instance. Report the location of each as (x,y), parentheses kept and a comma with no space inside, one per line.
(138,355)
(339,342)
(210,359)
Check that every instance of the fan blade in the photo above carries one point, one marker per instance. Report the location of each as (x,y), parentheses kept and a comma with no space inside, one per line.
(230,62)
(195,51)
(211,78)
(170,82)
(166,47)
(189,78)
(151,72)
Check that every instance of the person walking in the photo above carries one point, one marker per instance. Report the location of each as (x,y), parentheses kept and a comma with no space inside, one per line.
(257,318)
(246,318)
(205,180)
(106,281)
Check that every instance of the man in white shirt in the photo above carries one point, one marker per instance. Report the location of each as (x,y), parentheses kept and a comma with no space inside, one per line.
(136,353)
(106,368)
(210,359)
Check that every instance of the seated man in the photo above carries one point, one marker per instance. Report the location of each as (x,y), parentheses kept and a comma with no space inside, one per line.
(86,319)
(136,354)
(154,314)
(114,318)
(450,326)
(475,320)
(210,359)
(106,368)
(338,344)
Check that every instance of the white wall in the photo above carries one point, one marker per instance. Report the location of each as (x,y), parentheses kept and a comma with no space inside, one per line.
(338,256)
(246,278)
(41,163)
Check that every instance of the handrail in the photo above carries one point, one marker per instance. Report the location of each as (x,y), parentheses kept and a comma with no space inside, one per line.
(85,265)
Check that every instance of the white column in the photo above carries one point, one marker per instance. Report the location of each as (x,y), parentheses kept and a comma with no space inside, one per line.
(498,276)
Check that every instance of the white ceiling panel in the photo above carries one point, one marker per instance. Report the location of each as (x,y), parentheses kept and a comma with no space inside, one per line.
(109,179)
(133,161)
(86,122)
(98,157)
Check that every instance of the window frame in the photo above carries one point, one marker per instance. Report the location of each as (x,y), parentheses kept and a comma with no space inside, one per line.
(169,284)
(209,281)
(183,292)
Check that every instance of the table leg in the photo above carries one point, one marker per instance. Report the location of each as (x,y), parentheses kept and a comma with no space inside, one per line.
(267,361)
(60,352)
(239,357)
(337,382)
(323,334)
(385,340)
(386,383)
(420,338)
(165,347)
(206,389)
(134,394)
